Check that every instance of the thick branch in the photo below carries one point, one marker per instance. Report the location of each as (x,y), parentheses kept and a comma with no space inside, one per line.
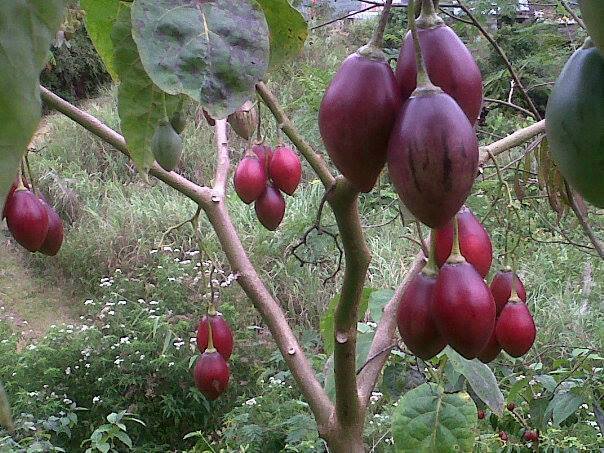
(344,202)
(504,57)
(511,141)
(314,159)
(248,279)
(589,232)
(222,161)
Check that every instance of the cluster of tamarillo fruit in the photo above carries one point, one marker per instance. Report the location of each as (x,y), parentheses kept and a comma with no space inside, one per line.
(420,121)
(215,342)
(448,302)
(31,220)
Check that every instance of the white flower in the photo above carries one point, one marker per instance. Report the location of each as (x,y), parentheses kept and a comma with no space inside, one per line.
(185,262)
(68,370)
(96,400)
(167,249)
(251,402)
(118,361)
(152,252)
(125,340)
(170,364)
(153,302)
(141,301)
(89,302)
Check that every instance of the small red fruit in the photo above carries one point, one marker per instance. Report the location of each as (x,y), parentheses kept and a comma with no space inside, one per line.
(503,436)
(474,242)
(511,406)
(501,287)
(264,153)
(54,237)
(270,208)
(531,436)
(221,334)
(249,179)
(415,320)
(27,219)
(515,328)
(11,191)
(285,169)
(491,350)
(480,414)
(211,374)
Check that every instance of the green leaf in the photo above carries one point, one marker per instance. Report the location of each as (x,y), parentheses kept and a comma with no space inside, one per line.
(563,405)
(288,30)
(327,322)
(140,102)
(125,438)
(547,381)
(481,379)
(214,52)
(26,31)
(539,411)
(429,420)
(100,17)
(377,302)
(517,387)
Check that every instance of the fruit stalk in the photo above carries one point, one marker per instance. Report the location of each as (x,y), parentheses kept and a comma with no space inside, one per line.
(456,256)
(423,81)
(377,39)
(431,268)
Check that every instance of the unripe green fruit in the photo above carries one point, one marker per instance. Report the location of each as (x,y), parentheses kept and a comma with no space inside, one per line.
(166,146)
(178,122)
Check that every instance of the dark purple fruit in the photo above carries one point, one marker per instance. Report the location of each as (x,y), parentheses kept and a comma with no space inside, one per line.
(463,307)
(515,329)
(474,242)
(54,238)
(481,414)
(285,169)
(503,436)
(11,191)
(501,288)
(432,157)
(357,114)
(270,208)
(249,179)
(211,374)
(511,406)
(450,66)
(531,436)
(27,219)
(491,351)
(414,318)
(222,335)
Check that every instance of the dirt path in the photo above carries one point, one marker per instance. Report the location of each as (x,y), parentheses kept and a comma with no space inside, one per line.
(28,302)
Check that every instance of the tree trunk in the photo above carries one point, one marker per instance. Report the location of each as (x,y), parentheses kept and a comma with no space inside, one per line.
(346,441)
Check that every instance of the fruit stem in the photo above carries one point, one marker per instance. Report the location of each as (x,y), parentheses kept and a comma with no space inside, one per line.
(20,185)
(428,17)
(431,268)
(377,39)
(29,173)
(455,257)
(513,292)
(423,80)
(210,347)
(212,309)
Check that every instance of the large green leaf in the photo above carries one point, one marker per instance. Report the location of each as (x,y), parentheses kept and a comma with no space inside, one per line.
(140,102)
(327,322)
(214,52)
(100,17)
(481,379)
(429,420)
(27,27)
(562,406)
(288,30)
(378,300)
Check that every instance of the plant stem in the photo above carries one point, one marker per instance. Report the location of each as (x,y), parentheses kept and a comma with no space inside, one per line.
(431,268)
(210,347)
(423,80)
(29,173)
(377,39)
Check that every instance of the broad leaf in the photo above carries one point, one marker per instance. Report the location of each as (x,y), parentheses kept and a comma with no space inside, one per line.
(377,302)
(540,413)
(27,28)
(100,17)
(327,322)
(288,30)
(140,102)
(214,52)
(563,405)
(428,419)
(481,379)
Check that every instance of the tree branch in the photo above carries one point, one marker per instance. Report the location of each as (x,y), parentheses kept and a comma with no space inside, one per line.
(223,163)
(511,141)
(511,105)
(248,279)
(504,57)
(314,159)
(589,232)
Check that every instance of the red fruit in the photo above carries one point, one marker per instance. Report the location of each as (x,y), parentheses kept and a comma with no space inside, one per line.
(27,219)
(491,350)
(249,179)
(285,169)
(474,242)
(222,336)
(414,318)
(480,414)
(515,329)
(264,153)
(432,157)
(270,208)
(450,66)
(463,308)
(54,238)
(357,114)
(211,374)
(511,406)
(531,436)
(501,287)
(11,191)
(503,436)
